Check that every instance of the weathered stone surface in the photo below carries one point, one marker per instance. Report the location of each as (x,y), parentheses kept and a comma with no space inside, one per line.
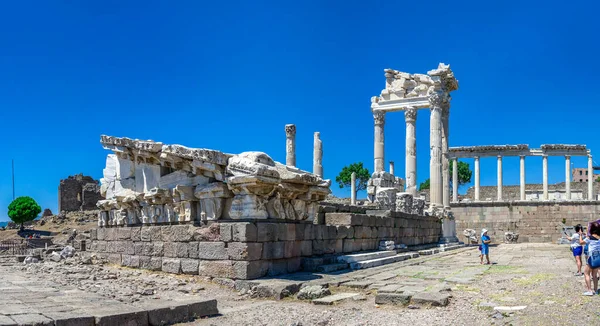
(273,250)
(151,263)
(32,319)
(171,265)
(189,266)
(245,251)
(329,300)
(176,249)
(266,232)
(313,292)
(212,250)
(431,298)
(222,268)
(393,298)
(244,232)
(177,233)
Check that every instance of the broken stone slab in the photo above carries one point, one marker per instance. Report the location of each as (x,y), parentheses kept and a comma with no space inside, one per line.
(509,309)
(435,299)
(277,289)
(32,319)
(7,321)
(393,298)
(119,316)
(329,300)
(70,318)
(313,292)
(358,284)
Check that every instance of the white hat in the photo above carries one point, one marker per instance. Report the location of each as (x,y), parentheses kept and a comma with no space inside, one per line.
(483,231)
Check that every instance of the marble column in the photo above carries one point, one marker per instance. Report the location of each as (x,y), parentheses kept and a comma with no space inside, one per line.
(476,178)
(455,180)
(290,145)
(392,167)
(379,118)
(499,177)
(445,161)
(437,100)
(590,178)
(545,176)
(410,116)
(318,155)
(353,188)
(568,177)
(522,183)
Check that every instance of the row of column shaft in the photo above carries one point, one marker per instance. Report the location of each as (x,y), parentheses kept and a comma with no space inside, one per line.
(290,150)
(522,178)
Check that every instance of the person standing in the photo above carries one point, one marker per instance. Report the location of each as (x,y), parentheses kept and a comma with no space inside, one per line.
(577,242)
(593,260)
(485,246)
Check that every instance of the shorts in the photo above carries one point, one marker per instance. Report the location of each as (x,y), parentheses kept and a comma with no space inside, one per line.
(485,250)
(577,251)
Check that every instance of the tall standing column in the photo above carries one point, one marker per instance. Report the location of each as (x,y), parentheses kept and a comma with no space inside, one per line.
(455,180)
(290,145)
(476,178)
(445,161)
(590,178)
(392,167)
(499,177)
(522,183)
(435,144)
(353,188)
(568,177)
(379,118)
(318,155)
(545,176)
(410,116)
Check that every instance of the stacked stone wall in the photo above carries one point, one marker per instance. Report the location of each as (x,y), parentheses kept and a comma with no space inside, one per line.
(534,221)
(249,250)
(513,192)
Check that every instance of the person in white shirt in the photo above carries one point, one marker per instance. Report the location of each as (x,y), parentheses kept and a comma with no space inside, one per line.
(593,260)
(577,243)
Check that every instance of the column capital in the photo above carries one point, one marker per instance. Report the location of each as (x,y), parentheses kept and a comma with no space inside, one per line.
(290,130)
(476,157)
(410,114)
(500,157)
(567,157)
(439,100)
(379,117)
(522,156)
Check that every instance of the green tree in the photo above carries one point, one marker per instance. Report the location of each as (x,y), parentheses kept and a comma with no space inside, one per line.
(344,179)
(464,175)
(424,185)
(23,209)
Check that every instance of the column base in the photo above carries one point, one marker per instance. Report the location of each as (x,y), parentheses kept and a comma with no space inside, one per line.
(450,239)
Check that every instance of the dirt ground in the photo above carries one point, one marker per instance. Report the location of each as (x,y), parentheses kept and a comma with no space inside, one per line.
(538,277)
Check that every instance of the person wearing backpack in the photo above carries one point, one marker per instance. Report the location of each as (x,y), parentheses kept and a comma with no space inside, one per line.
(577,243)
(593,260)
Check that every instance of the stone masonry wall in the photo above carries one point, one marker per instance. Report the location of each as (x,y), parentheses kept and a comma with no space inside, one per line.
(513,192)
(534,221)
(78,192)
(249,250)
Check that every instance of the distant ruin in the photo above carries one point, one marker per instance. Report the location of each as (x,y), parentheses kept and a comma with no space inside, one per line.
(78,193)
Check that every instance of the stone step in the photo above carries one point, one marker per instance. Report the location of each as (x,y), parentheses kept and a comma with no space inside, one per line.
(451,247)
(310,264)
(427,252)
(331,299)
(380,261)
(332,267)
(365,256)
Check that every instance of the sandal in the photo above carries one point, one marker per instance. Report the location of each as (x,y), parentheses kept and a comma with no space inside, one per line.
(589,293)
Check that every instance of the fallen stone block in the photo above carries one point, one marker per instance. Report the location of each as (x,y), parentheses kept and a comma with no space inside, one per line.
(435,299)
(70,318)
(313,292)
(276,289)
(32,319)
(329,300)
(203,308)
(393,298)
(168,315)
(111,317)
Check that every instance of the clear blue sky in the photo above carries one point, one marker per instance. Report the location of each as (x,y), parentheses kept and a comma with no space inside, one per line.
(229,75)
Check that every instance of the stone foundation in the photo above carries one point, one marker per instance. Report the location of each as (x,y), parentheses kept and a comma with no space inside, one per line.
(539,221)
(253,249)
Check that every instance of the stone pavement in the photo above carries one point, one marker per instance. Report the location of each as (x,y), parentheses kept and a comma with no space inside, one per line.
(28,301)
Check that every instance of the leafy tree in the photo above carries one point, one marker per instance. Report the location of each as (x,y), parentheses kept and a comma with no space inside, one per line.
(424,185)
(344,179)
(464,175)
(23,209)
(598,179)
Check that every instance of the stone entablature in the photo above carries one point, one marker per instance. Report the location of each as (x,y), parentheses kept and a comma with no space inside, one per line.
(147,182)
(517,150)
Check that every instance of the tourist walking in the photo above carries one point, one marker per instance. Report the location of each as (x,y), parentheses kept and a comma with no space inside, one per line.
(577,242)
(485,246)
(593,260)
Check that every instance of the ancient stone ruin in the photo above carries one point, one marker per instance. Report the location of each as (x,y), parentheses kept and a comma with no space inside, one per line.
(78,193)
(240,216)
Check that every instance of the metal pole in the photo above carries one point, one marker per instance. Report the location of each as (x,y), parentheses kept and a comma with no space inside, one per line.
(13,178)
